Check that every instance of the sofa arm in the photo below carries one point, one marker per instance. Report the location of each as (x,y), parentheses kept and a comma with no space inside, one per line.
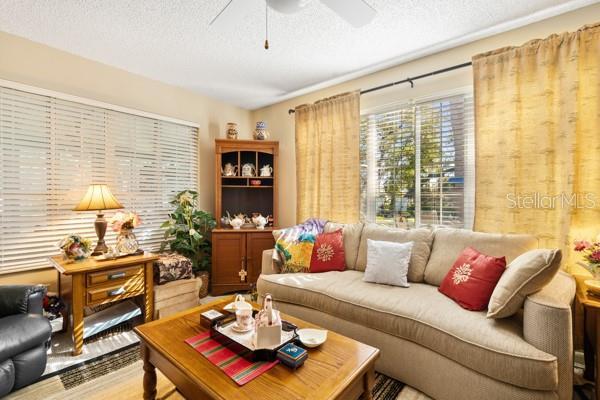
(21,299)
(267,263)
(547,325)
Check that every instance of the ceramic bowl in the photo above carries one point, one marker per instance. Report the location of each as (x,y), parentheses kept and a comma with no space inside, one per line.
(312,337)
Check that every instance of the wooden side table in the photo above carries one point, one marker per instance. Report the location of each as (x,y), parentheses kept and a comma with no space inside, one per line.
(90,283)
(591,334)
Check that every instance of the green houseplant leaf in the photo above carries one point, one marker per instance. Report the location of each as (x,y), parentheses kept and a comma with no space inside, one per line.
(187,231)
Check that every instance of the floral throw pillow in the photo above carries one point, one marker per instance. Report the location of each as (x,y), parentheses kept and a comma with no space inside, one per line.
(472,279)
(328,253)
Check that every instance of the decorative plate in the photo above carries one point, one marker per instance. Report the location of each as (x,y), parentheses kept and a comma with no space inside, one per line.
(236,328)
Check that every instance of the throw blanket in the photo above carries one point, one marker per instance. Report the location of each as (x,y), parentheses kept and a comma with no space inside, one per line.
(293,248)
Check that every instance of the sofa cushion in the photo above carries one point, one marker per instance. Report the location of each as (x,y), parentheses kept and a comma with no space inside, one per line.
(449,243)
(472,279)
(421,237)
(423,315)
(352,234)
(387,262)
(328,252)
(22,332)
(527,274)
(7,377)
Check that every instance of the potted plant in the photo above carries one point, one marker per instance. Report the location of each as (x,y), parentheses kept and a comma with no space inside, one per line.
(187,233)
(591,254)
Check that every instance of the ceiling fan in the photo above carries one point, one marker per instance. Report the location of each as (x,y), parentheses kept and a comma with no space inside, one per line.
(356,12)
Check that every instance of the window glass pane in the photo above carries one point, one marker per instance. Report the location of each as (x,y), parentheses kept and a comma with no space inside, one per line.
(416,164)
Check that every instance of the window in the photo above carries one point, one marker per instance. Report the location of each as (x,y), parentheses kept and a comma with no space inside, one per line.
(417,165)
(51,149)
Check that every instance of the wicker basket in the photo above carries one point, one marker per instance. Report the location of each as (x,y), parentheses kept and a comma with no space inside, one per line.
(204,275)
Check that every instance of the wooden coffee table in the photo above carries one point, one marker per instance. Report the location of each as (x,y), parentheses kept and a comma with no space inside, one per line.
(341,368)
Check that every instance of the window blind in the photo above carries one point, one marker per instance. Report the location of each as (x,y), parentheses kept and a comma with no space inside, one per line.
(51,149)
(417,164)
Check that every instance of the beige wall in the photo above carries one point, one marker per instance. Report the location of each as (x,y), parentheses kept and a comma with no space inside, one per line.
(281,125)
(38,65)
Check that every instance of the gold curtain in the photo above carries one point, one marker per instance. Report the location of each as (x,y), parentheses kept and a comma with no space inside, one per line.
(327,158)
(537,112)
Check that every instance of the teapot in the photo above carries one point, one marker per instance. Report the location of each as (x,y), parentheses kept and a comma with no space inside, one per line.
(236,222)
(229,170)
(267,170)
(259,221)
(248,169)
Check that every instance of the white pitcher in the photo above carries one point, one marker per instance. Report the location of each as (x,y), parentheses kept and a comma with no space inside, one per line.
(267,170)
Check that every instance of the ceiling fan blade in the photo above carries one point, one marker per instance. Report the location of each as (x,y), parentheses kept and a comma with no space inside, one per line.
(234,12)
(356,12)
(220,12)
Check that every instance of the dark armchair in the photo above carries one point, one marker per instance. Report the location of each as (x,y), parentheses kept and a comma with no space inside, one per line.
(24,333)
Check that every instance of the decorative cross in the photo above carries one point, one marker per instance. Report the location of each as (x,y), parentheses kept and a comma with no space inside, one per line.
(242,275)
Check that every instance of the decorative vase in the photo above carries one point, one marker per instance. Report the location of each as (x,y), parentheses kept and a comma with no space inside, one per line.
(261,132)
(204,276)
(232,132)
(127,242)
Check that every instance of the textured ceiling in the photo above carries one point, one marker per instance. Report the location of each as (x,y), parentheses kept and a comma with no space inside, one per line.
(171,40)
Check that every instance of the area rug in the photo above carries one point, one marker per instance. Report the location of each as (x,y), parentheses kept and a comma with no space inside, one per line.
(99,367)
(123,368)
(119,375)
(60,354)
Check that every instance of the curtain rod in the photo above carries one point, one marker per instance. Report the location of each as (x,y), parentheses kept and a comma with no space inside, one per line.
(408,80)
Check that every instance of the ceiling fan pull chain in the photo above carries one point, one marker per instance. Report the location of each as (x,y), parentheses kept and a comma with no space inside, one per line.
(266,26)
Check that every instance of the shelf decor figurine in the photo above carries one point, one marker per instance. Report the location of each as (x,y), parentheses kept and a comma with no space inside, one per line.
(98,198)
(232,131)
(261,133)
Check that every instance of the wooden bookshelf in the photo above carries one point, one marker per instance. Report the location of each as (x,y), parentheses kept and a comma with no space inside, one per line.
(237,254)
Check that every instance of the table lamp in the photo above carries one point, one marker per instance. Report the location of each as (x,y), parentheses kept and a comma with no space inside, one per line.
(98,198)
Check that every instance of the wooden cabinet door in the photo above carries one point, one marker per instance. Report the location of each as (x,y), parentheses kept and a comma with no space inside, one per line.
(256,243)
(228,258)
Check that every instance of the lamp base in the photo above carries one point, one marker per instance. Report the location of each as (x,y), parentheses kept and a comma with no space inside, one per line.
(100,226)
(100,249)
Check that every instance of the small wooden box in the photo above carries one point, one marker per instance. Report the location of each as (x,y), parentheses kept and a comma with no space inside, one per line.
(210,317)
(176,296)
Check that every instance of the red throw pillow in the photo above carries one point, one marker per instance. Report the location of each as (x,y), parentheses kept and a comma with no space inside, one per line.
(472,279)
(328,253)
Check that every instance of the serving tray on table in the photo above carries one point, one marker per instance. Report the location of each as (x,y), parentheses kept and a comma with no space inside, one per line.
(242,343)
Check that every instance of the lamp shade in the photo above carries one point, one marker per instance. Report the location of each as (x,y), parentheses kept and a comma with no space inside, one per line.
(98,197)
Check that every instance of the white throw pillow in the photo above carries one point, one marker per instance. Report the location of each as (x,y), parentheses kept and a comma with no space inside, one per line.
(387,262)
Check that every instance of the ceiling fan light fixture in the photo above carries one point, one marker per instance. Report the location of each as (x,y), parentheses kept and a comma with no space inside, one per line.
(287,6)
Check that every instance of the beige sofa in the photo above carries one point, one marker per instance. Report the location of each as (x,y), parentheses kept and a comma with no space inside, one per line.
(426,340)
